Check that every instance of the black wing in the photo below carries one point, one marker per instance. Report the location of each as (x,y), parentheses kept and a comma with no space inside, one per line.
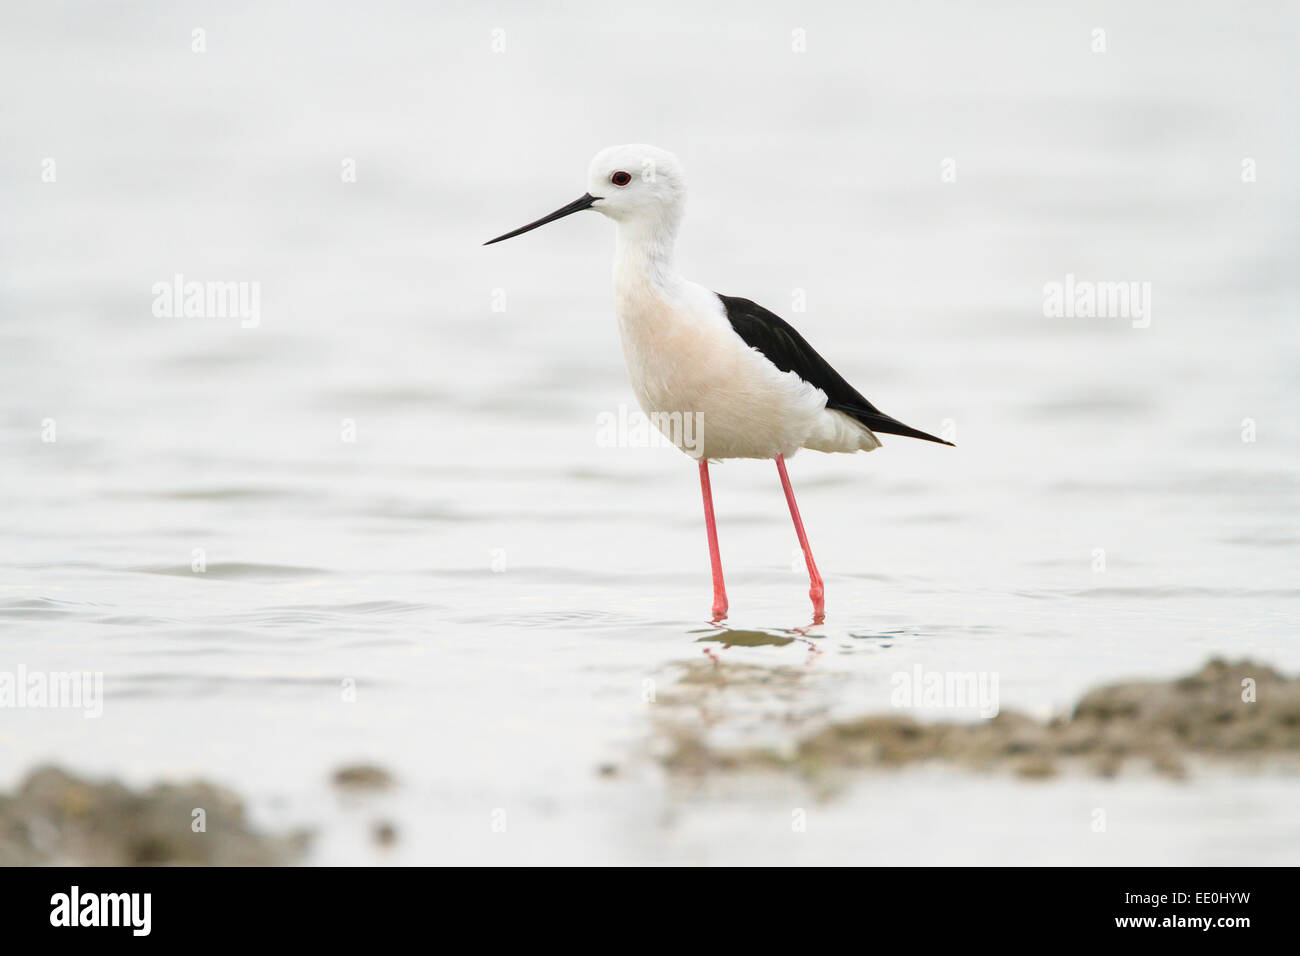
(790,352)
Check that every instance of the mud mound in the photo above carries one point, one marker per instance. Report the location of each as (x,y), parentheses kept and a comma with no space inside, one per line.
(55,818)
(1240,711)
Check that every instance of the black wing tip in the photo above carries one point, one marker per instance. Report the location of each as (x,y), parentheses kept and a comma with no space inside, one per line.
(940,441)
(928,437)
(885,425)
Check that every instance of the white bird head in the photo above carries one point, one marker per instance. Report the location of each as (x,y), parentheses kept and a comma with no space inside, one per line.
(635,185)
(636,181)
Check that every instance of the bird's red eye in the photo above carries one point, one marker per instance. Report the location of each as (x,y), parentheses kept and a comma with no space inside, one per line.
(620,178)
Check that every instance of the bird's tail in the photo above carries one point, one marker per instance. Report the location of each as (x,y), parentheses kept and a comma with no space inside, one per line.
(880,422)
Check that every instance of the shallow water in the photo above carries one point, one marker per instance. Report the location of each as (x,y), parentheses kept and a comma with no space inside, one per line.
(498,584)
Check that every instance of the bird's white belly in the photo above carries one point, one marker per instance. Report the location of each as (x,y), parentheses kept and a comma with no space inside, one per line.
(705,389)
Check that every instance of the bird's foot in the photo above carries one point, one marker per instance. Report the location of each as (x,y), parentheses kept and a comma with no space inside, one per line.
(818,597)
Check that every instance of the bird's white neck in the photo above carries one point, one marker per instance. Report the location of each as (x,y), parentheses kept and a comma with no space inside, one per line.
(643,256)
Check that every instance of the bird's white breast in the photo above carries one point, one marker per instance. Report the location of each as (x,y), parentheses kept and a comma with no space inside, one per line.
(685,359)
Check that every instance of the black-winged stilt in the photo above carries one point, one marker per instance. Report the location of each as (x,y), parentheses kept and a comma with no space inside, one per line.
(754,385)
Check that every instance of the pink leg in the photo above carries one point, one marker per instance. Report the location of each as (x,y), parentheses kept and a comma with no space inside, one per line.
(816,589)
(715,559)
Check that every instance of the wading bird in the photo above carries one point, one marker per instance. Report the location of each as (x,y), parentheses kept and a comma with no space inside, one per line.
(754,385)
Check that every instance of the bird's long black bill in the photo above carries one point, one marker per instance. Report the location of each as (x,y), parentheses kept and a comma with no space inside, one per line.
(576,206)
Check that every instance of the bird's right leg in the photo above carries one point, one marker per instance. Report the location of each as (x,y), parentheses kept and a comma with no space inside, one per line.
(715,559)
(816,589)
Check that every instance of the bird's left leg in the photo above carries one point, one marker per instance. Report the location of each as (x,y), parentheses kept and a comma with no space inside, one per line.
(816,590)
(715,559)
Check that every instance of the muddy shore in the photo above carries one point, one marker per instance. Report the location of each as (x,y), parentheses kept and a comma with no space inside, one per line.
(1241,715)
(54,818)
(1239,712)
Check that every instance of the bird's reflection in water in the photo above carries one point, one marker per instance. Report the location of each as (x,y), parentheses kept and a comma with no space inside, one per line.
(740,637)
(735,691)
(862,640)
